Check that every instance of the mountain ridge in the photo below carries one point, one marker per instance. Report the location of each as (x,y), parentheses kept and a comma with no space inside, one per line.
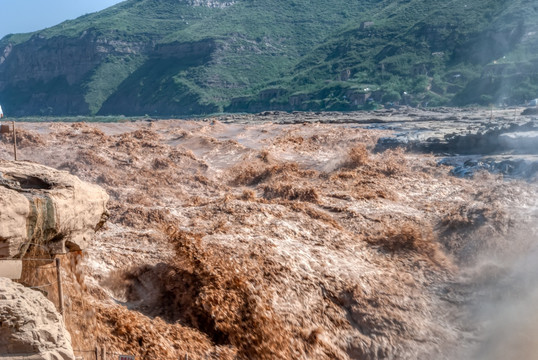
(167,57)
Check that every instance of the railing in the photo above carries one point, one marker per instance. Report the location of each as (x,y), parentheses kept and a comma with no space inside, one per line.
(97,353)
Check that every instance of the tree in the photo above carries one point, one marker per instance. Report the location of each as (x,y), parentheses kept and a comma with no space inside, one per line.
(390,97)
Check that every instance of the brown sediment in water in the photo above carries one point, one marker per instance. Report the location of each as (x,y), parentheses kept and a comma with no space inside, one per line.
(270,241)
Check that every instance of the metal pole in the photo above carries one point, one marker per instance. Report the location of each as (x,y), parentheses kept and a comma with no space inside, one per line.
(60,290)
(14,140)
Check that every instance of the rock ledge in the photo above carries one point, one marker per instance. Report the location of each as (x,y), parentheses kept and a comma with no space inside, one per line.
(41,205)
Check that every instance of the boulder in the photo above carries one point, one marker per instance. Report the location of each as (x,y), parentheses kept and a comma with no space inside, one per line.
(41,205)
(30,326)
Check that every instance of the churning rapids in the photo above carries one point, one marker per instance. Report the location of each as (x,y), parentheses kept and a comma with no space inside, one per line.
(403,234)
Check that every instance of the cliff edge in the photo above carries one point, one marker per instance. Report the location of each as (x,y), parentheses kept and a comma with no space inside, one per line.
(41,205)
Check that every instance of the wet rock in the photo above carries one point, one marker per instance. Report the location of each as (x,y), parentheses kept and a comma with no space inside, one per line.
(517,138)
(512,166)
(42,205)
(530,111)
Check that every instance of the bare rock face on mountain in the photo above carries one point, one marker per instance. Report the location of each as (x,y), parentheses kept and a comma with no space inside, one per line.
(52,208)
(30,326)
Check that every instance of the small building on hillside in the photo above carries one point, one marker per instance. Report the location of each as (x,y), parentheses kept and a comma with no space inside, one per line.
(366,25)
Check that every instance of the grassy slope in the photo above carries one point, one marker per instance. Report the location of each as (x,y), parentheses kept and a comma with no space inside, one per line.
(437,51)
(134,21)
(258,42)
(130,21)
(263,39)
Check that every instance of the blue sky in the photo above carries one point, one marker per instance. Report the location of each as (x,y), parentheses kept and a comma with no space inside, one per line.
(17,16)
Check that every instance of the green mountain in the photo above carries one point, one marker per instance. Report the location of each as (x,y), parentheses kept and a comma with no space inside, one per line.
(426,53)
(179,57)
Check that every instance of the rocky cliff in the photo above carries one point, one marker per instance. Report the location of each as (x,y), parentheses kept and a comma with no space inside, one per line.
(95,72)
(41,205)
(50,76)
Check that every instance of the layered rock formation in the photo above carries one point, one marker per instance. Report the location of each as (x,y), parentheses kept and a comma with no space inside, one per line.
(41,205)
(48,73)
(30,326)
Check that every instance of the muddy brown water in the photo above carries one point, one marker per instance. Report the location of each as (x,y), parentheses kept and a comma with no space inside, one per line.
(285,243)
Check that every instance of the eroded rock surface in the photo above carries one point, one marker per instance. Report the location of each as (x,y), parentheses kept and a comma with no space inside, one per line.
(42,205)
(30,326)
